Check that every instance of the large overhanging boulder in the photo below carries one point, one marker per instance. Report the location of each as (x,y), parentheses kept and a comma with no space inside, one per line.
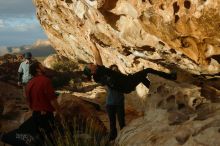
(136,33)
(162,34)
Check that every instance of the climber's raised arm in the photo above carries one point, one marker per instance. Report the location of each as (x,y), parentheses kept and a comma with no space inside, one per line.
(96,53)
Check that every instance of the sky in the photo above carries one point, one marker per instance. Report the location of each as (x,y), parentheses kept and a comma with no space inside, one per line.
(18,23)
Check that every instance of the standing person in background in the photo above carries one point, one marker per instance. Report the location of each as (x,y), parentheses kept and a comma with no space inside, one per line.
(23,71)
(115,106)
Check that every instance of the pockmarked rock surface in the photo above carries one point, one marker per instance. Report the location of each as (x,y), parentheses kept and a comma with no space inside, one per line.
(136,33)
(176,114)
(180,35)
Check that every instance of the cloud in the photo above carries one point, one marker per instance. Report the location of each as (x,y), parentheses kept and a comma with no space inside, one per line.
(20,31)
(16,38)
(18,23)
(16,8)
(24,27)
(1,24)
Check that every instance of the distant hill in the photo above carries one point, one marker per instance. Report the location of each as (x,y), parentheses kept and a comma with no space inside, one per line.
(40,48)
(3,50)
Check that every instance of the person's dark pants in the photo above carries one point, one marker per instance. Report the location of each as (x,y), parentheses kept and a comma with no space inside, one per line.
(45,123)
(112,111)
(32,132)
(25,135)
(15,138)
(133,80)
(141,76)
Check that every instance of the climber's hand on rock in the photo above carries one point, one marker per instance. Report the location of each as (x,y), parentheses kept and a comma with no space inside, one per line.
(173,75)
(92,37)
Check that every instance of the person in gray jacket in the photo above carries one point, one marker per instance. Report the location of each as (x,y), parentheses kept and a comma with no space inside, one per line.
(23,71)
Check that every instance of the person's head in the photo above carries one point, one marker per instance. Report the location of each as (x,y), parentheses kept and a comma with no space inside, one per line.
(89,70)
(36,68)
(28,55)
(114,67)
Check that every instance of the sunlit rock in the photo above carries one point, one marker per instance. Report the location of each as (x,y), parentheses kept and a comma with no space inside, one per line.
(180,35)
(181,32)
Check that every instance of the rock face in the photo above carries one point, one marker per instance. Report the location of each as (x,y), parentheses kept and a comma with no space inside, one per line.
(176,114)
(181,32)
(134,34)
(53,59)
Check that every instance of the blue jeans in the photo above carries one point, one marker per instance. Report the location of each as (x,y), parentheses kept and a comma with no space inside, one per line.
(112,111)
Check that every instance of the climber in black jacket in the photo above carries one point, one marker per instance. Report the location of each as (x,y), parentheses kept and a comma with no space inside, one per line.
(118,81)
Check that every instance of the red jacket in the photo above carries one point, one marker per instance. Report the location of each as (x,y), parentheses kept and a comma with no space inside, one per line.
(40,92)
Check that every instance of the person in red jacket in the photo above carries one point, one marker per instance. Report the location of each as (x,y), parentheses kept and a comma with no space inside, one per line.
(43,102)
(39,91)
(41,98)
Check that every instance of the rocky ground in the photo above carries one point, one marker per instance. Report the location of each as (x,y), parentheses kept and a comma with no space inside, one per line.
(167,35)
(182,112)
(86,100)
